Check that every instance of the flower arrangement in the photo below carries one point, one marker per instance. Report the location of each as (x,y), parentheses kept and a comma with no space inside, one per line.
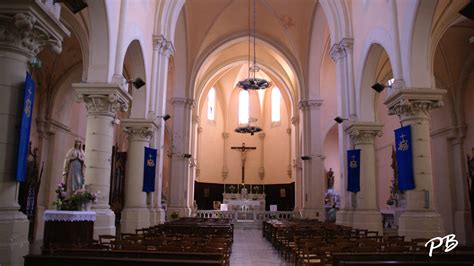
(83,196)
(79,200)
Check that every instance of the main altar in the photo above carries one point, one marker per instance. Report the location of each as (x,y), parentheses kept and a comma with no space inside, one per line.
(244,202)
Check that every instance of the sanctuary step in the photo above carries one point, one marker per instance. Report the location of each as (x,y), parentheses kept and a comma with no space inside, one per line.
(248,224)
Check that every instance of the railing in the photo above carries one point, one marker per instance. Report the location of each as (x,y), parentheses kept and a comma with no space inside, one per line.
(246,215)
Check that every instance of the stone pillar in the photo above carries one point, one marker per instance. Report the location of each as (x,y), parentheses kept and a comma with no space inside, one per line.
(462,212)
(420,220)
(198,151)
(26,27)
(313,169)
(102,101)
(297,165)
(162,50)
(288,171)
(136,213)
(181,183)
(261,169)
(341,53)
(365,214)
(225,169)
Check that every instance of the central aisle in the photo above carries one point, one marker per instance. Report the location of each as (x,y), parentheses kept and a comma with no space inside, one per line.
(251,249)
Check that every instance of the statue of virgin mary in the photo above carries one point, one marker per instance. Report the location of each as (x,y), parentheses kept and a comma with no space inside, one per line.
(74,166)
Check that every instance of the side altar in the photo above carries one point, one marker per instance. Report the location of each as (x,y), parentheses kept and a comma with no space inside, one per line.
(244,202)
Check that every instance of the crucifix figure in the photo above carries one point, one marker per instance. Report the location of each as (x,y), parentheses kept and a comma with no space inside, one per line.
(243,149)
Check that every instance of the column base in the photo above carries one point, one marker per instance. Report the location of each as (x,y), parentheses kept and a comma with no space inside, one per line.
(180,211)
(104,223)
(463,227)
(313,214)
(420,224)
(134,218)
(367,219)
(158,216)
(344,217)
(13,237)
(39,235)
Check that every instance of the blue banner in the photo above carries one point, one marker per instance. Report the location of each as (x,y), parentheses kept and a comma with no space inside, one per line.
(406,179)
(353,170)
(27,111)
(149,170)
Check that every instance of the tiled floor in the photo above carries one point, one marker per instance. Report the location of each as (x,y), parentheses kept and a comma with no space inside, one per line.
(251,249)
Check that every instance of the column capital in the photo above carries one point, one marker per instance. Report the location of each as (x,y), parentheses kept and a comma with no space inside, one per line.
(414,101)
(294,120)
(364,132)
(341,49)
(310,104)
(28,27)
(102,98)
(163,45)
(139,129)
(187,102)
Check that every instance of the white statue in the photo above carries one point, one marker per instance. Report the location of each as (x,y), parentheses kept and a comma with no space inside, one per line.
(74,166)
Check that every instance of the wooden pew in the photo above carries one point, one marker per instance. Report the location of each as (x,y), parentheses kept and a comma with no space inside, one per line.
(49,260)
(385,259)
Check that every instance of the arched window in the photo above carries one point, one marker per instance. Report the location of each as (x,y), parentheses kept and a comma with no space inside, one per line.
(390,82)
(276,102)
(243,107)
(211,104)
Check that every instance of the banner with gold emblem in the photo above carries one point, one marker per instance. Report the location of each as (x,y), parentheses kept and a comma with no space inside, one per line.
(149,170)
(406,179)
(27,112)
(353,170)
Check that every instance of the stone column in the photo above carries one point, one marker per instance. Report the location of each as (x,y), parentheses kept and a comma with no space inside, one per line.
(136,213)
(198,151)
(366,214)
(341,53)
(102,101)
(297,165)
(462,213)
(288,171)
(261,169)
(420,219)
(313,169)
(181,183)
(25,28)
(225,169)
(162,50)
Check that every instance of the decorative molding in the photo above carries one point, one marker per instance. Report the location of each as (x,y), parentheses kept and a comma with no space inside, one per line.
(187,102)
(199,130)
(102,99)
(414,102)
(288,130)
(364,132)
(310,104)
(225,135)
(164,46)
(294,120)
(139,129)
(261,135)
(341,49)
(28,29)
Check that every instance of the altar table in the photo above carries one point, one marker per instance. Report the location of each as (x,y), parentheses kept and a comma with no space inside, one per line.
(67,228)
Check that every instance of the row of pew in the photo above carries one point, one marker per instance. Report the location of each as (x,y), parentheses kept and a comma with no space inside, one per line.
(188,241)
(311,242)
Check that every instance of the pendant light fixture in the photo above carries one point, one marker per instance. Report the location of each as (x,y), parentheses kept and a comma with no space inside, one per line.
(252,82)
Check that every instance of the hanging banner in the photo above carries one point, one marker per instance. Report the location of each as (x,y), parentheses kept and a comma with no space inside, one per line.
(353,170)
(27,112)
(149,170)
(406,179)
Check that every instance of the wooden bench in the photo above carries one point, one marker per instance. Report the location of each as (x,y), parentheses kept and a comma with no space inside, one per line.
(41,260)
(445,259)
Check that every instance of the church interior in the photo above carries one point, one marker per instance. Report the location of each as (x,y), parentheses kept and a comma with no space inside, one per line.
(236,132)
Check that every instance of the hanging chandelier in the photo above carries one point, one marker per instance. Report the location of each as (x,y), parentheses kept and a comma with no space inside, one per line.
(249,129)
(252,82)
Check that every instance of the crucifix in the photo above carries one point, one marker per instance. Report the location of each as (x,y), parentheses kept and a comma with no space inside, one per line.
(243,149)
